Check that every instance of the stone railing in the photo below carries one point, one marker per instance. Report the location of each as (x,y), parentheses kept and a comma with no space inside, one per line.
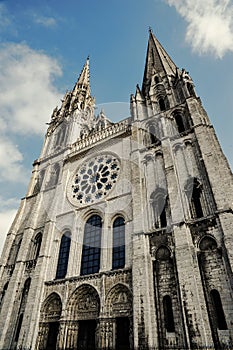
(9,269)
(115,129)
(30,264)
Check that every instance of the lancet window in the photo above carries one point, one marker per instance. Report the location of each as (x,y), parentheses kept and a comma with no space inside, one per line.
(63,257)
(118,250)
(91,246)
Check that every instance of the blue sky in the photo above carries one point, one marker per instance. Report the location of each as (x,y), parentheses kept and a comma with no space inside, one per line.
(44,44)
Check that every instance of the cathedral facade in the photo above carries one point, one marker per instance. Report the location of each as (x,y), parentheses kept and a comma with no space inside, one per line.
(124,238)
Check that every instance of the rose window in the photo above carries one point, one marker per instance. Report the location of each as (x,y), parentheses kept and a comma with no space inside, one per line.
(95,178)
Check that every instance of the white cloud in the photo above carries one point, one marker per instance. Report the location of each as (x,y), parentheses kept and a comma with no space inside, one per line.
(8,211)
(210,24)
(6,219)
(11,168)
(45,21)
(28,95)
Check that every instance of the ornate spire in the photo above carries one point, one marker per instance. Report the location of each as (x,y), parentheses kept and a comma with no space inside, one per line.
(83,82)
(81,94)
(157,61)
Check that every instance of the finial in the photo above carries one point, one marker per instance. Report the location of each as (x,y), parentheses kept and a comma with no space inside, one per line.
(88,57)
(150,30)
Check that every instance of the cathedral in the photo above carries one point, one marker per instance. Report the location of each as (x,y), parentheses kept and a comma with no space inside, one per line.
(124,239)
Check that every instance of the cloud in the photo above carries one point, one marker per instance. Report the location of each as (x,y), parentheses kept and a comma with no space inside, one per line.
(45,21)
(27,93)
(11,168)
(6,219)
(8,208)
(210,24)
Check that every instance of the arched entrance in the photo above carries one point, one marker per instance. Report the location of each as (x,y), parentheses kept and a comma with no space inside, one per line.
(119,311)
(83,310)
(49,325)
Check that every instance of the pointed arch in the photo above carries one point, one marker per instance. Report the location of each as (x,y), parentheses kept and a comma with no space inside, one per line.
(35,249)
(22,308)
(219,316)
(193,189)
(163,253)
(63,257)
(84,303)
(15,250)
(159,201)
(49,327)
(51,308)
(3,293)
(91,245)
(179,122)
(118,249)
(162,105)
(119,301)
(207,243)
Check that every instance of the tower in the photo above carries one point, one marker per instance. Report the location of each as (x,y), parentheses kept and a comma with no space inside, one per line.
(123,240)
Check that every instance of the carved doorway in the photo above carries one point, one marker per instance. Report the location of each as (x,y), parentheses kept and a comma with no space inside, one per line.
(86,335)
(122,333)
(52,336)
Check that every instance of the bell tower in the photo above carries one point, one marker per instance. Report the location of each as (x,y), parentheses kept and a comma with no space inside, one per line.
(182,234)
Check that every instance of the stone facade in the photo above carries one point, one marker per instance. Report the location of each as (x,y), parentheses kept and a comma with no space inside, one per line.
(124,238)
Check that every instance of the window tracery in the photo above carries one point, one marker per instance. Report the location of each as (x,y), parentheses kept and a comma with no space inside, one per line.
(95,178)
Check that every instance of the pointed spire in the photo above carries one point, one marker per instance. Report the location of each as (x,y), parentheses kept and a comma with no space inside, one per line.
(83,82)
(157,61)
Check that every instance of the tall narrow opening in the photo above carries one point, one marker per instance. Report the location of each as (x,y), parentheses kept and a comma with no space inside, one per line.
(91,246)
(190,89)
(160,208)
(168,314)
(162,104)
(86,335)
(18,329)
(118,250)
(153,138)
(37,245)
(63,255)
(196,201)
(179,123)
(52,336)
(218,310)
(122,333)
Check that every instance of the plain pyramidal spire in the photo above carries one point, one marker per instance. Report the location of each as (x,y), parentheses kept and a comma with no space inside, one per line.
(157,60)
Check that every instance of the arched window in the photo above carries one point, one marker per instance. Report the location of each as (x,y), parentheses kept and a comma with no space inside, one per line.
(162,104)
(168,314)
(160,208)
(207,244)
(37,245)
(54,175)
(194,192)
(156,80)
(61,135)
(3,294)
(218,310)
(190,89)
(153,138)
(63,255)
(118,250)
(179,123)
(22,308)
(14,250)
(91,246)
(196,202)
